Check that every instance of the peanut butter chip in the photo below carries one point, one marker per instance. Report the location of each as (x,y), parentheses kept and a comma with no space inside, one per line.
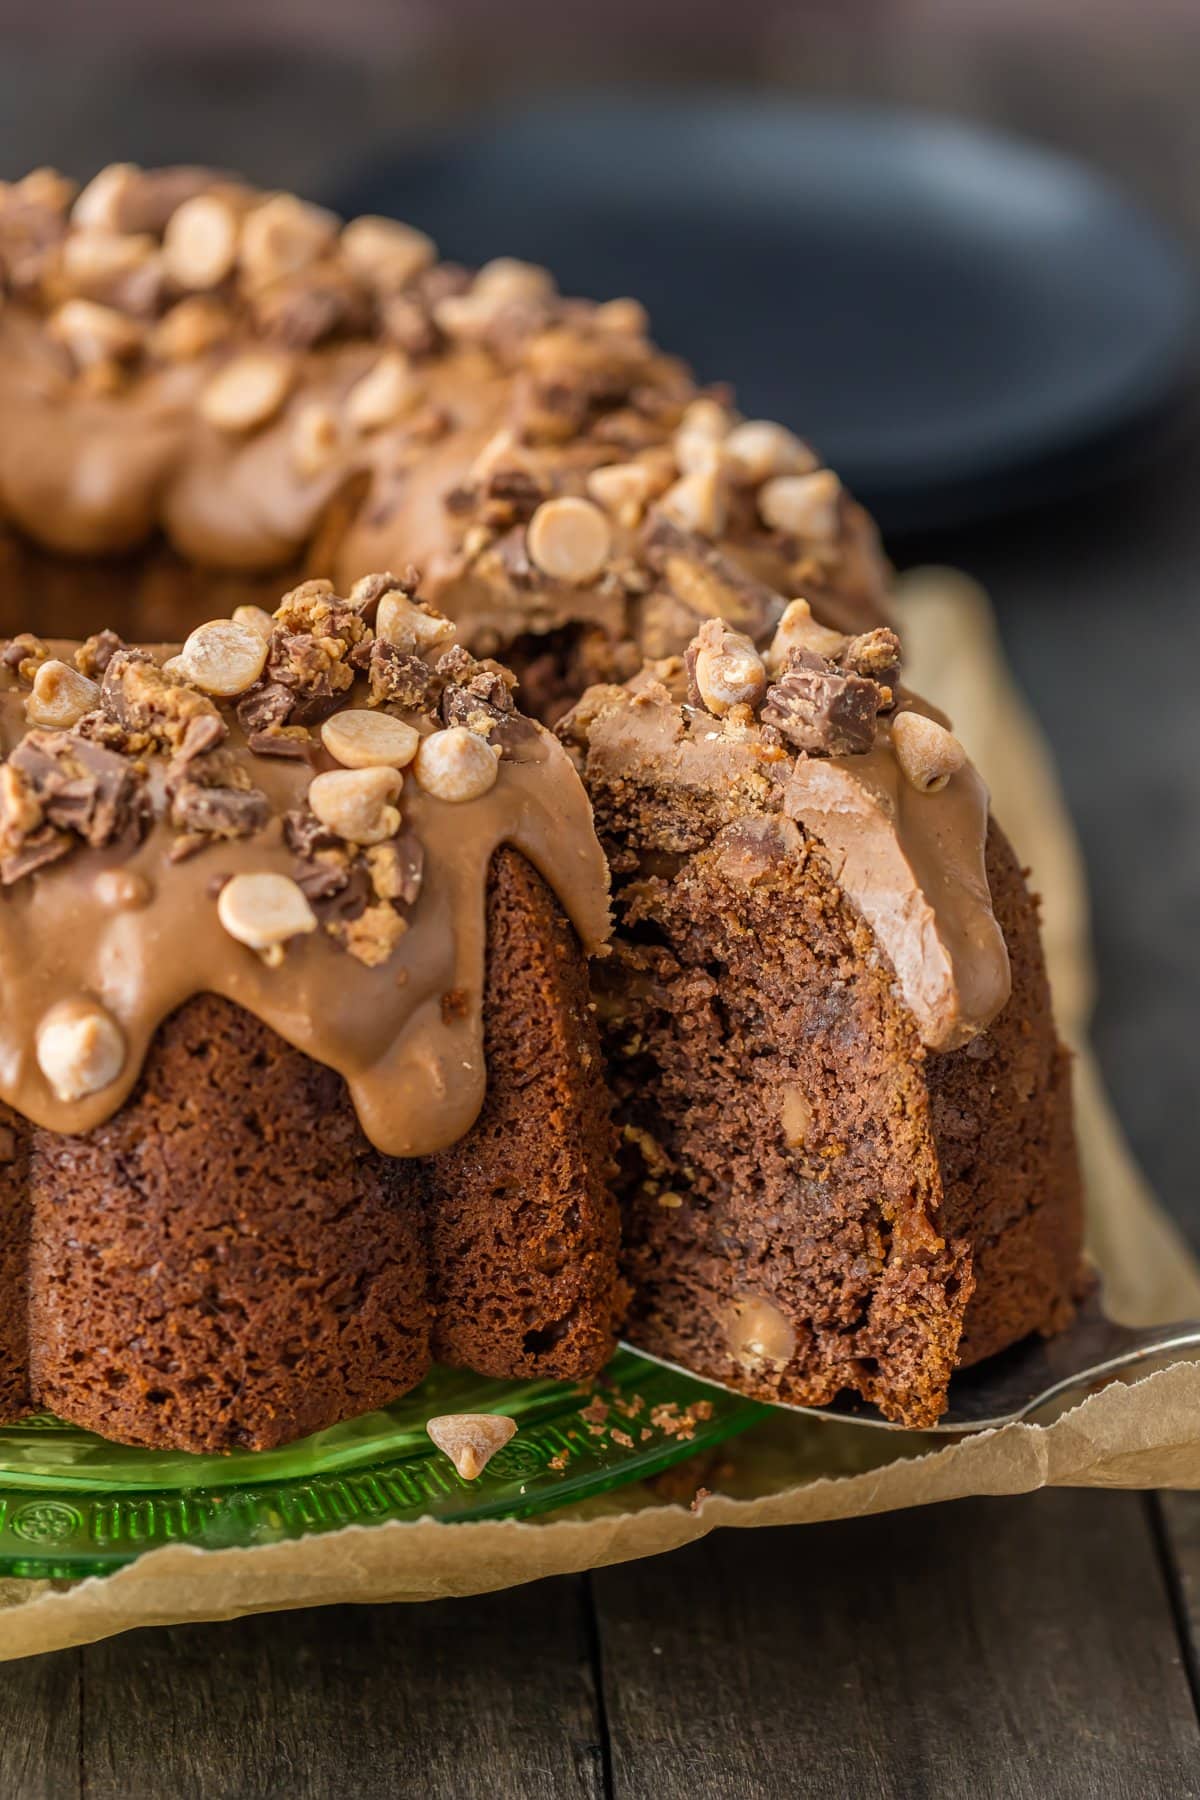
(731,675)
(455,765)
(80,1048)
(102,202)
(569,540)
(805,505)
(386,252)
(758,449)
(400,622)
(255,618)
(383,394)
(698,501)
(123,890)
(317,438)
(356,804)
(927,753)
(94,333)
(223,657)
(61,696)
(200,244)
(470,1440)
(247,391)
(798,630)
(359,739)
(264,912)
(283,236)
(759,1336)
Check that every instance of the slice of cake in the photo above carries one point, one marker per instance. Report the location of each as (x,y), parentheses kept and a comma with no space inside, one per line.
(299,1084)
(847,1153)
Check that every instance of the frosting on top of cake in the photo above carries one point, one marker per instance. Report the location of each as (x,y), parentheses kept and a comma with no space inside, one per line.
(182,353)
(819,731)
(297,812)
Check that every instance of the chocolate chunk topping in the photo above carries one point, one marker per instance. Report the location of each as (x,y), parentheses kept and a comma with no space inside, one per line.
(821,709)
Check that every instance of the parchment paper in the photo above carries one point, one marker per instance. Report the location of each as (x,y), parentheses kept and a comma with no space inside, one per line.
(792,1470)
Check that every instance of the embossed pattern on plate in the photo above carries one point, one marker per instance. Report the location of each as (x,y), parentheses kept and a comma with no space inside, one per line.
(73,1505)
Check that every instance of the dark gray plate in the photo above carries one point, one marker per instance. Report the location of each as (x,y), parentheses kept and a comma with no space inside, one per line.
(960,322)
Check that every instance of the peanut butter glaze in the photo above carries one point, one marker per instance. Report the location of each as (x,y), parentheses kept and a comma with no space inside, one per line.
(112,438)
(139,933)
(911,862)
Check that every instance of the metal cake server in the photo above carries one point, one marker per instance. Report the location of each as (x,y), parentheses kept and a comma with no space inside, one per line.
(1034,1376)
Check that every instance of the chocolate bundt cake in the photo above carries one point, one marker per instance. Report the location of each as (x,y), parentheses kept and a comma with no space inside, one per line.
(209,391)
(847,1157)
(271,909)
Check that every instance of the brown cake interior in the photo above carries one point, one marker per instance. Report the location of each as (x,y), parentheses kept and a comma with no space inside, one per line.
(813,1199)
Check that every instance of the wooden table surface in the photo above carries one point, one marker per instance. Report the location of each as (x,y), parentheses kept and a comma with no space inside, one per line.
(1044,1646)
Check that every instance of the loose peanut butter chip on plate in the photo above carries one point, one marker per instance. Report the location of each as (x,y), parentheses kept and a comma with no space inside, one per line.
(80,1048)
(471,1440)
(264,912)
(928,754)
(455,765)
(247,392)
(569,539)
(357,804)
(61,696)
(359,739)
(223,657)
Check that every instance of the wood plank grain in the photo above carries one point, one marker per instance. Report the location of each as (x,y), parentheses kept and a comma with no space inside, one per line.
(1178,1519)
(1018,1648)
(463,1698)
(39,1728)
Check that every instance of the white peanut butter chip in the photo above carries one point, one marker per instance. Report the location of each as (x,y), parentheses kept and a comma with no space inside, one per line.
(357,804)
(471,1440)
(622,489)
(224,657)
(61,696)
(805,505)
(456,764)
(798,630)
(192,327)
(264,911)
(758,449)
(360,739)
(384,393)
(200,244)
(700,438)
(80,1048)
(400,622)
(927,753)
(624,317)
(247,391)
(569,539)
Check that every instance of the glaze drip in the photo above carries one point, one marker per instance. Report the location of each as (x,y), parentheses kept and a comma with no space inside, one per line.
(136,932)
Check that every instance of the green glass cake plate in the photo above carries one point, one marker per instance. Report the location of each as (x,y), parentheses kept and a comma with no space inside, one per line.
(72,1504)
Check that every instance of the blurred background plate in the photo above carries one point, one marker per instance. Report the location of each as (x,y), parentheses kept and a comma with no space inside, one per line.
(962,323)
